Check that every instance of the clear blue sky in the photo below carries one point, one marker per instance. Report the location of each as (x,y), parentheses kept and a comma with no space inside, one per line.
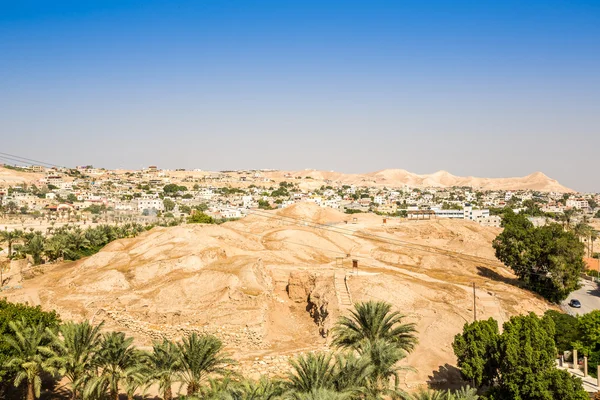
(483,88)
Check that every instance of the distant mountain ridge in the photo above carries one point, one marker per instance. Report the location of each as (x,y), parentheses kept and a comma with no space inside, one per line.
(387,177)
(399,177)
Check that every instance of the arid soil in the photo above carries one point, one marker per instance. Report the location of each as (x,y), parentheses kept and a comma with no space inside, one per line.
(272,284)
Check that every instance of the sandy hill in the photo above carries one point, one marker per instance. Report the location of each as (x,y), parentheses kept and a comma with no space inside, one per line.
(272,284)
(400,177)
(12,177)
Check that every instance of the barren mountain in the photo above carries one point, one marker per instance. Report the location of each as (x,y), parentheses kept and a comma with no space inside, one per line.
(399,177)
(273,284)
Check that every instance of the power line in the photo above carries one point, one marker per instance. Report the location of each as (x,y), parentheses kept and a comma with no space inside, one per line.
(25,159)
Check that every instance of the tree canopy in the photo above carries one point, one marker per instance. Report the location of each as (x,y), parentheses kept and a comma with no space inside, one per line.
(548,259)
(517,364)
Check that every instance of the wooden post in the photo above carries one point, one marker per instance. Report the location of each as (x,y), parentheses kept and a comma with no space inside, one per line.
(474,304)
(598,379)
(585,367)
(575,361)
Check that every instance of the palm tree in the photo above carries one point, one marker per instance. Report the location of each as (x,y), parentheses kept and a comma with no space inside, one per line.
(373,320)
(318,394)
(164,363)
(77,346)
(310,372)
(10,237)
(34,246)
(566,217)
(221,389)
(33,355)
(201,356)
(383,357)
(263,389)
(55,247)
(134,380)
(464,393)
(117,359)
(428,394)
(352,373)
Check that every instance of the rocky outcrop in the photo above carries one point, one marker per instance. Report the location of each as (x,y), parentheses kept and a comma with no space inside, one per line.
(300,285)
(318,293)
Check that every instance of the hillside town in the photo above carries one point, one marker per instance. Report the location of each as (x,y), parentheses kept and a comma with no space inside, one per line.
(87,194)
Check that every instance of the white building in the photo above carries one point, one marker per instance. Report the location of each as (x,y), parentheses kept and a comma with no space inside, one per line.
(474,215)
(491,220)
(379,199)
(150,204)
(457,214)
(579,203)
(230,213)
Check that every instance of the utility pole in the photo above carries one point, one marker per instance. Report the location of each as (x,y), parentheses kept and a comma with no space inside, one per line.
(474,304)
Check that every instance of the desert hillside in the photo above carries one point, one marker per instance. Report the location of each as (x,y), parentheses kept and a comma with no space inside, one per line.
(399,177)
(13,177)
(272,284)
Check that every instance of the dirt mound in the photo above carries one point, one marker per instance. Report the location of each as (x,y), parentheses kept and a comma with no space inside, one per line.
(310,212)
(274,283)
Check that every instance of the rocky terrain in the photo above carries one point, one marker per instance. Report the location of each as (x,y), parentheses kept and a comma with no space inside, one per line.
(272,284)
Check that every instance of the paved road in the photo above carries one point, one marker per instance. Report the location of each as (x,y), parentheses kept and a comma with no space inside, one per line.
(588,295)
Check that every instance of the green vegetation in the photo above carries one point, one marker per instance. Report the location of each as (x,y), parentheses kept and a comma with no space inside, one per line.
(98,365)
(199,217)
(23,361)
(67,242)
(548,260)
(451,206)
(264,205)
(173,190)
(352,211)
(517,364)
(169,204)
(97,208)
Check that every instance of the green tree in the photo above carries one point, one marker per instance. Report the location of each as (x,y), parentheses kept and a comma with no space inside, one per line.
(311,372)
(383,356)
(373,320)
(16,312)
(562,385)
(116,360)
(428,394)
(169,204)
(34,246)
(10,237)
(547,259)
(264,205)
(475,349)
(526,353)
(77,345)
(263,389)
(199,217)
(567,330)
(200,357)
(32,355)
(163,364)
